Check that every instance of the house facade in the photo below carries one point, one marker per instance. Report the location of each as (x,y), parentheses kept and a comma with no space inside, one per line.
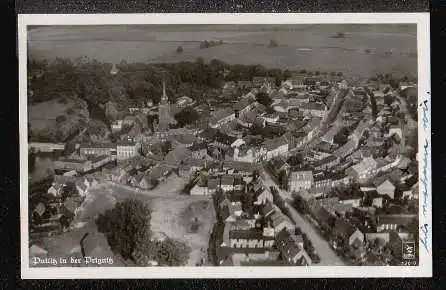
(300,180)
(126,150)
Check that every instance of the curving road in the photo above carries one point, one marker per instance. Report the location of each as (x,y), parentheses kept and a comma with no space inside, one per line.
(326,253)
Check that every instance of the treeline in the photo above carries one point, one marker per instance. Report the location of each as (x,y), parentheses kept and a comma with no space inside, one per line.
(211,43)
(92,81)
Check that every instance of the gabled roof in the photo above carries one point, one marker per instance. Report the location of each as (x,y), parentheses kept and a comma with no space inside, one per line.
(312,106)
(71,204)
(208,133)
(40,208)
(213,183)
(302,176)
(277,218)
(267,208)
(275,143)
(177,155)
(184,139)
(242,104)
(227,180)
(381,180)
(324,161)
(399,219)
(221,114)
(343,227)
(157,172)
(98,145)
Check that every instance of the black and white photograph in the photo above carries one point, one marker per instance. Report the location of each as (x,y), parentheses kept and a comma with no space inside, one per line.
(293,147)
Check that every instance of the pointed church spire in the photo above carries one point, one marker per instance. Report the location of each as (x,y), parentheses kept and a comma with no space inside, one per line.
(164,97)
(164,86)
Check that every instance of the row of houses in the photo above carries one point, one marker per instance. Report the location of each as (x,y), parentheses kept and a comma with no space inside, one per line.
(349,226)
(268,236)
(122,150)
(144,178)
(82,165)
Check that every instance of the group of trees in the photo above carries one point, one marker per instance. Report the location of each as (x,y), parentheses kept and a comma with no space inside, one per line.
(127,228)
(187,116)
(350,190)
(211,43)
(264,99)
(342,136)
(69,190)
(91,81)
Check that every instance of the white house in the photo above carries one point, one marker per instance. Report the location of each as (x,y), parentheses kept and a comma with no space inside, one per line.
(274,148)
(117,125)
(300,180)
(125,150)
(386,188)
(237,143)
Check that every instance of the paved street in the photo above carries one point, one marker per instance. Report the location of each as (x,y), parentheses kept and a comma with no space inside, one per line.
(323,249)
(411,123)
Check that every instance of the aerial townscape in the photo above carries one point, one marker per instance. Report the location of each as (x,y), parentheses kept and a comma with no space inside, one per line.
(206,163)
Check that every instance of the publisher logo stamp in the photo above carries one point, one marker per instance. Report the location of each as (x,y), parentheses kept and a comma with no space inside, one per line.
(408,250)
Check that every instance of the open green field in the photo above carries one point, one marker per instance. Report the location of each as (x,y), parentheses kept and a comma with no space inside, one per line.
(42,118)
(43,115)
(308,47)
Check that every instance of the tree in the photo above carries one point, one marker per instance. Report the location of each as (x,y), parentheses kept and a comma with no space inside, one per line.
(167,252)
(283,179)
(248,202)
(69,190)
(204,44)
(295,160)
(264,99)
(111,111)
(388,99)
(124,225)
(60,119)
(187,116)
(374,105)
(255,175)
(342,136)
(31,160)
(167,146)
(286,75)
(69,148)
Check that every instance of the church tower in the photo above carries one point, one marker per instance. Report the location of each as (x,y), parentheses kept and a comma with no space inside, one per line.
(163,111)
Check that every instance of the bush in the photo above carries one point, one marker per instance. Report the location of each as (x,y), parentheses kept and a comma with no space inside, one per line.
(315,258)
(204,44)
(70,111)
(60,119)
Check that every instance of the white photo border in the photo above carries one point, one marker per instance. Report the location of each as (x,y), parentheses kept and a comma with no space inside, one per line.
(424,269)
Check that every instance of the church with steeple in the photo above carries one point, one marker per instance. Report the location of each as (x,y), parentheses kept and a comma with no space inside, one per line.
(164,116)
